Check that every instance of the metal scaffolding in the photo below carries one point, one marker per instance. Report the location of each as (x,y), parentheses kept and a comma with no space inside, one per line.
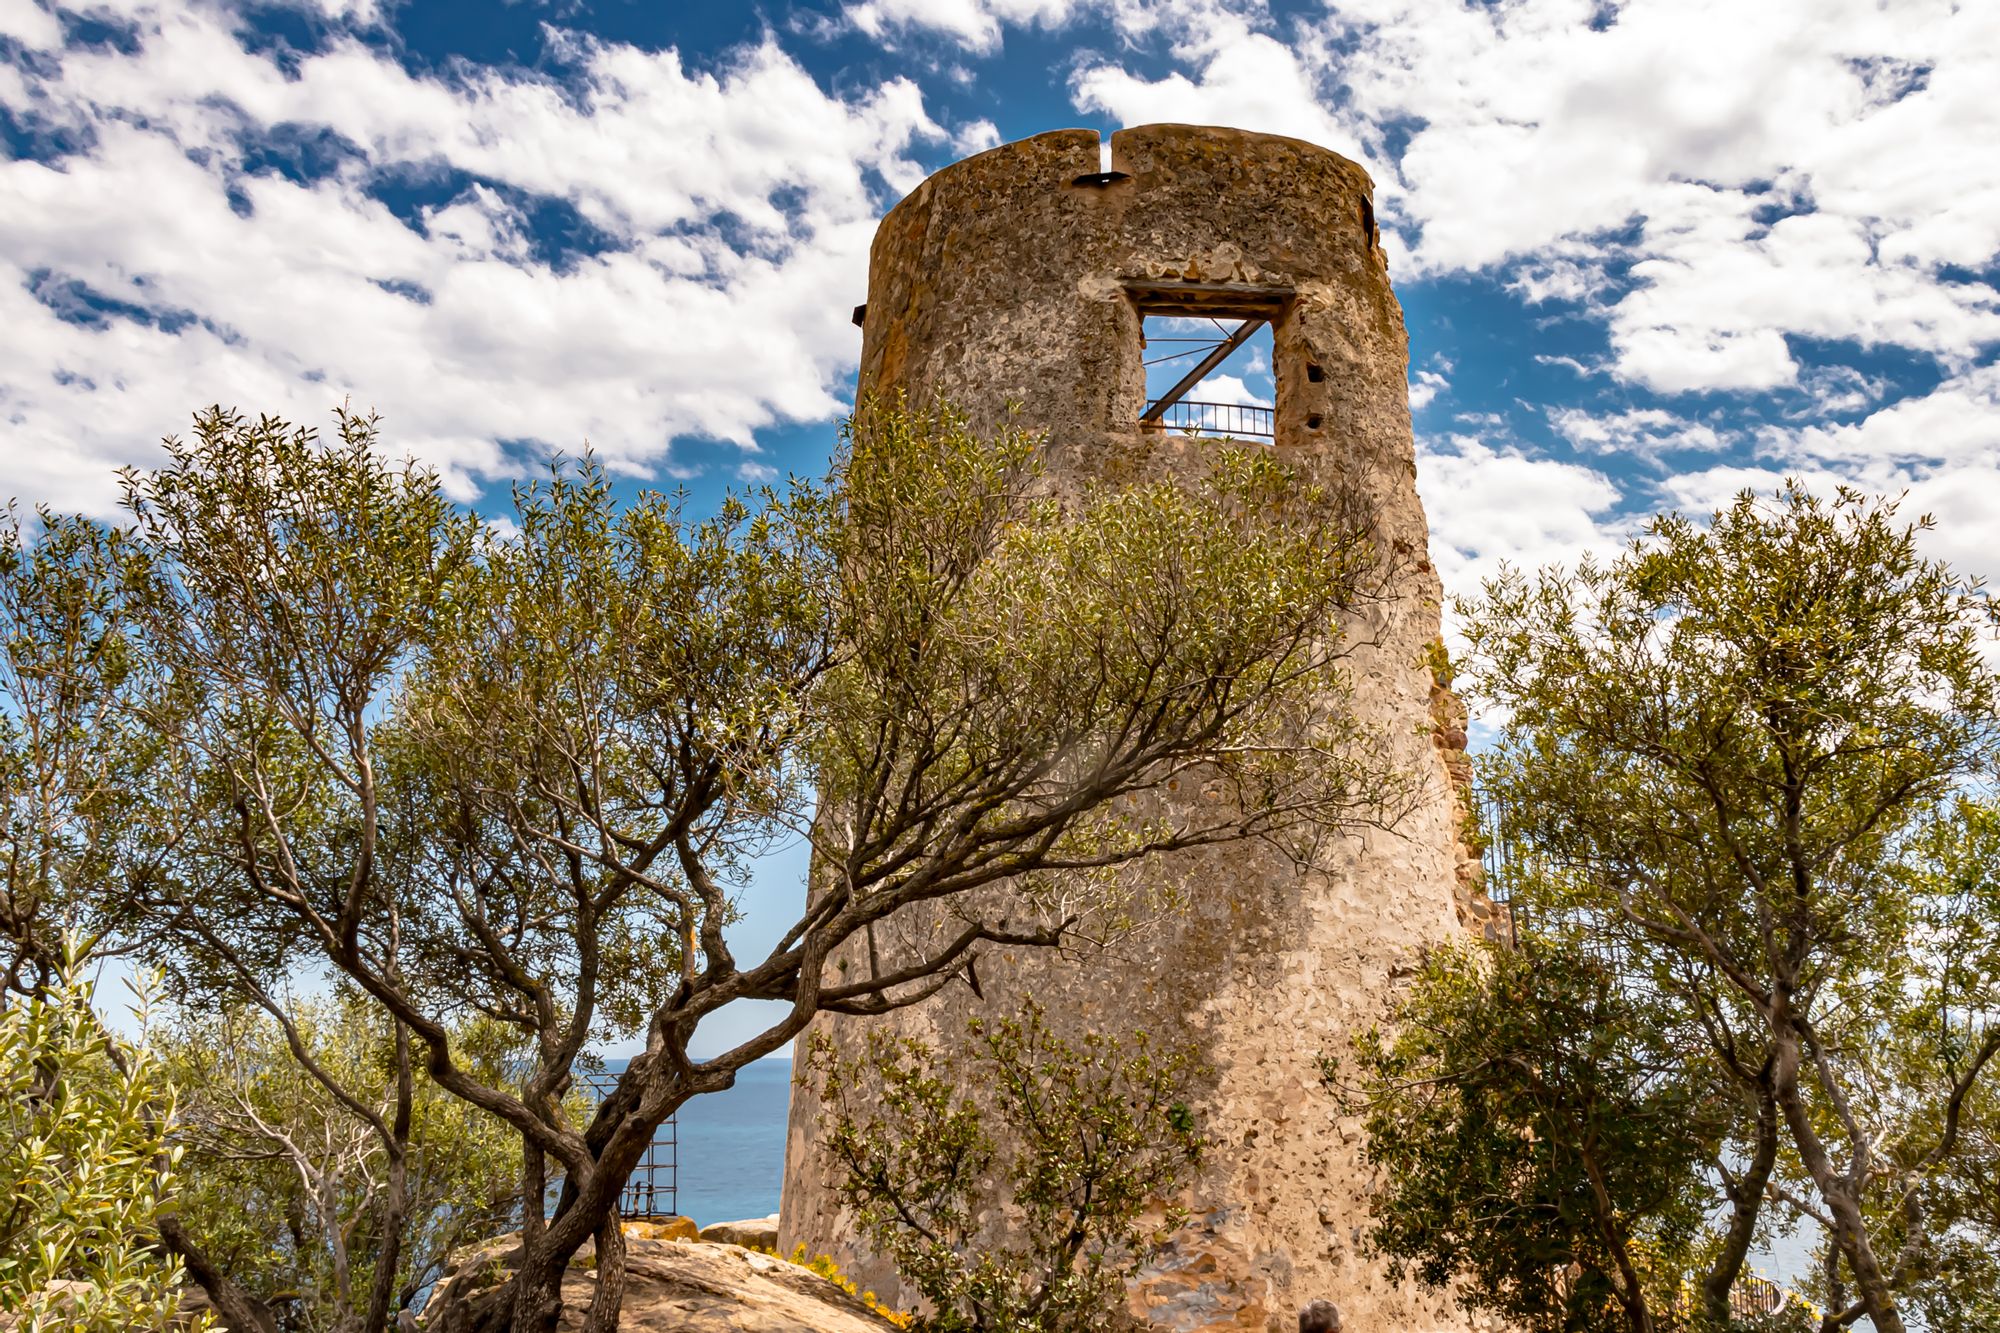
(653,1192)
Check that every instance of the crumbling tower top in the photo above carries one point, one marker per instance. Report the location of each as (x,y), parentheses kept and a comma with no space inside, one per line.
(1024,276)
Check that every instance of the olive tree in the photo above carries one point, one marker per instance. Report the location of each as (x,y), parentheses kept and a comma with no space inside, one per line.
(85,1169)
(282,1180)
(74,764)
(515,771)
(1941,1211)
(1724,748)
(1540,1147)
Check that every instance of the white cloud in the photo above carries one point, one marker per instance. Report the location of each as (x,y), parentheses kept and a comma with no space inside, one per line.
(974,24)
(1961,498)
(1424,386)
(1568,363)
(1493,505)
(36,28)
(1640,432)
(1834,390)
(976,137)
(1817,173)
(734,208)
(1956,423)
(1244,77)
(1229,390)
(1942,448)
(1549,275)
(978,26)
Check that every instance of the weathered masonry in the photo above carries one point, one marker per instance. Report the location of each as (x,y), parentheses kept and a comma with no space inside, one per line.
(1026,276)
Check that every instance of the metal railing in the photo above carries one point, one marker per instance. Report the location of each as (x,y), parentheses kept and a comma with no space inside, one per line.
(1507,864)
(1497,861)
(1229,420)
(1755,1297)
(654,1189)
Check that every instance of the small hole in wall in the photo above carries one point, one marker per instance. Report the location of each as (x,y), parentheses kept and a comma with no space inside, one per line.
(1312,422)
(1315,374)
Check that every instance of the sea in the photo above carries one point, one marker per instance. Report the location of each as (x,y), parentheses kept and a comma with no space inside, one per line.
(731,1146)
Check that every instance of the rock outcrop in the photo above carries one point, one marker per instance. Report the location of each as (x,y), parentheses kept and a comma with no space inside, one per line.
(677,1286)
(758,1233)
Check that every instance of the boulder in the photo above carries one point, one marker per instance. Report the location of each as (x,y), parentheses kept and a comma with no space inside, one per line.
(756,1233)
(674,1227)
(673,1286)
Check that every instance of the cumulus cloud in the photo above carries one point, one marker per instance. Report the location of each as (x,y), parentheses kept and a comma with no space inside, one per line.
(1751,218)
(1244,76)
(1492,504)
(1647,433)
(1956,423)
(1426,385)
(974,24)
(976,137)
(33,27)
(1941,449)
(978,26)
(1825,172)
(159,265)
(1834,390)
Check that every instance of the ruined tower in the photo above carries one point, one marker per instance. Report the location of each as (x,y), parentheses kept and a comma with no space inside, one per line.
(1024,276)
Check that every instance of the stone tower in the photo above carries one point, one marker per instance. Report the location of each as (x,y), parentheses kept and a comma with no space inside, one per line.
(1022,276)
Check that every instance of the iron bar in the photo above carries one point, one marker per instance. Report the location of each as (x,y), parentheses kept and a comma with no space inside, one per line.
(1223,349)
(656,1179)
(1229,420)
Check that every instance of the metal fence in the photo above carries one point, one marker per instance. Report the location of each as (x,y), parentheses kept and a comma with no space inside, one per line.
(1231,420)
(1508,865)
(1754,1297)
(1499,867)
(654,1189)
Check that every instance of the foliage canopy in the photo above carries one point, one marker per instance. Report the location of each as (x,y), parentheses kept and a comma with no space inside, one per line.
(85,1169)
(1736,759)
(318,721)
(1538,1142)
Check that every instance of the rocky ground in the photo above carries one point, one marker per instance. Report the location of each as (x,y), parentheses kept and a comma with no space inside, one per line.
(684,1281)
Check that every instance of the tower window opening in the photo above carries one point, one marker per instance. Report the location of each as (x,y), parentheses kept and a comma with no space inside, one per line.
(1209,375)
(1209,357)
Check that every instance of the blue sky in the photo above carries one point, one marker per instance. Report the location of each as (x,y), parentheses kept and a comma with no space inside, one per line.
(1649,252)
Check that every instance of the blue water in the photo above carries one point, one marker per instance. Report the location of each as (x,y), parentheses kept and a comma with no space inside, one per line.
(732,1146)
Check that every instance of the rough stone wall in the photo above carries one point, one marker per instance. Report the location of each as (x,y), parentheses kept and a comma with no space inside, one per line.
(1002,281)
(1477,911)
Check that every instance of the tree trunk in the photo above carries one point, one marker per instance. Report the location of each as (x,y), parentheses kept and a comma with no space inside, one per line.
(537,1290)
(534,1192)
(609,1297)
(238,1310)
(1746,1202)
(393,1213)
(1850,1228)
(618,1136)
(1631,1291)
(395,1203)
